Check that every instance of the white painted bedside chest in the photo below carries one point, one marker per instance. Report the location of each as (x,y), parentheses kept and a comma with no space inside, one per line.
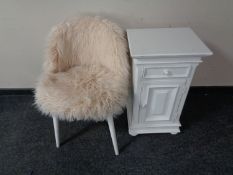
(163,64)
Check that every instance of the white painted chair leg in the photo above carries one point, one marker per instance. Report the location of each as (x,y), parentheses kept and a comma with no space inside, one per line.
(113,134)
(56,131)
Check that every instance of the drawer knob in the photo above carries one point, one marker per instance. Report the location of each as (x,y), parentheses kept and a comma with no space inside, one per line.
(167,72)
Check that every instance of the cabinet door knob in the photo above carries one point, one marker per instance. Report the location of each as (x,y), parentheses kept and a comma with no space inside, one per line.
(167,72)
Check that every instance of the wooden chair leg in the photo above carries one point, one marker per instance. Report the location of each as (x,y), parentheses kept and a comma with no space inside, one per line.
(56,131)
(113,134)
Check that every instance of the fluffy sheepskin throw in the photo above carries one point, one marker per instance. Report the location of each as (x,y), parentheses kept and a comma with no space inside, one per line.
(86,71)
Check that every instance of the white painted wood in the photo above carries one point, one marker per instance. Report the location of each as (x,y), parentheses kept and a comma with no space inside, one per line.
(174,133)
(165,42)
(56,131)
(113,134)
(185,93)
(165,71)
(157,94)
(157,102)
(164,62)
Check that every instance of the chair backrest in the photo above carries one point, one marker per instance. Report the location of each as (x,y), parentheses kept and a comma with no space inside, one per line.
(87,41)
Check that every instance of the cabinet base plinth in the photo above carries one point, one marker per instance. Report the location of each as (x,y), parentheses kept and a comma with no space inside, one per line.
(169,129)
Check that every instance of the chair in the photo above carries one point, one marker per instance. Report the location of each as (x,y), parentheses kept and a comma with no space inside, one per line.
(85,73)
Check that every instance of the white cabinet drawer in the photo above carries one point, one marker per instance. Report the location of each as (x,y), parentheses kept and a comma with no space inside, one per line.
(175,71)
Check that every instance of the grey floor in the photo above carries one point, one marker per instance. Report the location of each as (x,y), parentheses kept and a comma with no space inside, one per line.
(205,145)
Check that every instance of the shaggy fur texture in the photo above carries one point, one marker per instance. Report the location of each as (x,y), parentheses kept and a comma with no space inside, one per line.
(86,71)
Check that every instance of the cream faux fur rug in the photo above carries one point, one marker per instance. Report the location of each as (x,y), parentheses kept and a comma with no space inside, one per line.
(86,70)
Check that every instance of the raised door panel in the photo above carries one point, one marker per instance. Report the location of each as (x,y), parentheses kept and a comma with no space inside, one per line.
(159,102)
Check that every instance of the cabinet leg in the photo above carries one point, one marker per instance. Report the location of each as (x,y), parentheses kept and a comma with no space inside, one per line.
(132,133)
(174,133)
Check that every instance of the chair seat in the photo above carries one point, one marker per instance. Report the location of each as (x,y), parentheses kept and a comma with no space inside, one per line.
(82,93)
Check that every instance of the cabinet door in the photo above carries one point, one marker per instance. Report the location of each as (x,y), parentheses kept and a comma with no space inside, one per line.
(159,102)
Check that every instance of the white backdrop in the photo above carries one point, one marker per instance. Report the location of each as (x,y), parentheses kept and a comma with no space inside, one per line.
(24,25)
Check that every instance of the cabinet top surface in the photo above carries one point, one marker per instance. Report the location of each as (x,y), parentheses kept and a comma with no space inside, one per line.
(165,42)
